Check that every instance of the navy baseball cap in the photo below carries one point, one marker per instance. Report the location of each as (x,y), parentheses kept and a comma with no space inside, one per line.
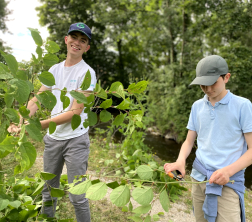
(80,27)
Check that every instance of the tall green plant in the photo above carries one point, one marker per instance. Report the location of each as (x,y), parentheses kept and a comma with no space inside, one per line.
(18,86)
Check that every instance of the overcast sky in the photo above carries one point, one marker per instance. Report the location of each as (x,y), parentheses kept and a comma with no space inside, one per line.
(23,16)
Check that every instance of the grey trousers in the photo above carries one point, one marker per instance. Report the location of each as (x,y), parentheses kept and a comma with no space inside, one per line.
(74,152)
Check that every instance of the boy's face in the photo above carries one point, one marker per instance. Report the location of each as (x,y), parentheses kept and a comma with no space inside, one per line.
(218,90)
(77,43)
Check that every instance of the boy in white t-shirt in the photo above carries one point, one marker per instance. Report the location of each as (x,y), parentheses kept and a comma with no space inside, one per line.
(65,145)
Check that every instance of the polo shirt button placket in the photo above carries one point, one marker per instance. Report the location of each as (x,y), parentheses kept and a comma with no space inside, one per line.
(212,113)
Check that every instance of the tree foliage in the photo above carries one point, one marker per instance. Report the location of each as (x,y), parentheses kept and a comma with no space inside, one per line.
(162,41)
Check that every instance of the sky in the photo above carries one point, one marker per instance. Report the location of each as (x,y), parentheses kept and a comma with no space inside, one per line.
(23,16)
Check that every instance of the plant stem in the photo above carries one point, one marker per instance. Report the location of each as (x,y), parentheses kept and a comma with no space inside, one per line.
(147,181)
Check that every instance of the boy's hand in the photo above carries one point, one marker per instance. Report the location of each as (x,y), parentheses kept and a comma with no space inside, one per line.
(220,177)
(14,129)
(169,167)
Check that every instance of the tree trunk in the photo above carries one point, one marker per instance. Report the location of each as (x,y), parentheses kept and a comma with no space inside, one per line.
(123,79)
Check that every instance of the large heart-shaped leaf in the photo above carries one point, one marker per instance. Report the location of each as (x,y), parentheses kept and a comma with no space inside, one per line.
(120,196)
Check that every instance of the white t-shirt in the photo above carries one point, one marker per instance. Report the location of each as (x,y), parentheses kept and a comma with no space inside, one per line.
(71,78)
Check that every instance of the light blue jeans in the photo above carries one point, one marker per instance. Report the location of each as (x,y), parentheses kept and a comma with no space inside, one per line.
(74,152)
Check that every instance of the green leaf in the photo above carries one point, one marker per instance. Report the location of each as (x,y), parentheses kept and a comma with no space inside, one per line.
(28,154)
(25,214)
(142,209)
(130,206)
(36,36)
(21,74)
(2,66)
(136,218)
(50,59)
(52,127)
(119,119)
(22,90)
(35,60)
(9,97)
(63,92)
(97,191)
(35,121)
(138,88)
(18,188)
(30,85)
(139,124)
(113,185)
(5,75)
(79,96)
(164,200)
(76,121)
(39,188)
(86,81)
(34,132)
(9,143)
(106,104)
(102,94)
(39,52)
(147,219)
(86,124)
(47,99)
(24,111)
(3,203)
(47,78)
(55,192)
(66,102)
(80,188)
(105,116)
(137,114)
(120,196)
(125,209)
(17,169)
(12,114)
(92,118)
(143,196)
(13,215)
(90,98)
(124,104)
(144,172)
(52,47)
(117,89)
(16,204)
(11,62)
(156,217)
(47,176)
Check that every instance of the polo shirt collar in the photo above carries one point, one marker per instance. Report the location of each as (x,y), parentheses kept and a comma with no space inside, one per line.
(224,100)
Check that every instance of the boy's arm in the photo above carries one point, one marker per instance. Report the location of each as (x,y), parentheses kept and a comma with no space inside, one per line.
(183,154)
(222,176)
(66,116)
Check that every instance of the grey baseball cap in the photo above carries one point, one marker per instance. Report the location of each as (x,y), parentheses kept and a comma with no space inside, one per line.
(209,69)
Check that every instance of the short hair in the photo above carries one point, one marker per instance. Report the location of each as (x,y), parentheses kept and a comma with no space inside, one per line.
(223,76)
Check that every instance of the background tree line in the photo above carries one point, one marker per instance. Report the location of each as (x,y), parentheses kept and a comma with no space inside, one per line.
(160,41)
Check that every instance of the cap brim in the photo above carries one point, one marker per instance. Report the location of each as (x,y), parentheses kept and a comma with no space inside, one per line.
(204,80)
(79,31)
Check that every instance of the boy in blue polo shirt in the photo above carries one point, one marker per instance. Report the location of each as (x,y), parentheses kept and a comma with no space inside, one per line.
(222,124)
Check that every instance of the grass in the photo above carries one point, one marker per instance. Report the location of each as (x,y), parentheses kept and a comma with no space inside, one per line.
(103,210)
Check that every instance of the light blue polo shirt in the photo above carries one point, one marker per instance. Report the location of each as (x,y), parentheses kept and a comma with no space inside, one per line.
(220,130)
